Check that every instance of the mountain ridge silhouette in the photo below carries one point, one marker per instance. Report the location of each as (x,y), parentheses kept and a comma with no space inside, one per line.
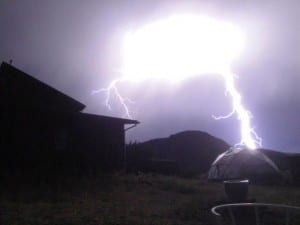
(192,150)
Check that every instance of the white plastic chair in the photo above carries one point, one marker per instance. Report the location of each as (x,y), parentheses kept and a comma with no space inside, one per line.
(238,214)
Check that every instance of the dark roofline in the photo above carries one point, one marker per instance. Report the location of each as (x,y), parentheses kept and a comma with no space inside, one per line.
(6,68)
(121,120)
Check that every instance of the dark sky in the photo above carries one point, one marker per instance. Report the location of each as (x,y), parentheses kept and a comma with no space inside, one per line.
(75,46)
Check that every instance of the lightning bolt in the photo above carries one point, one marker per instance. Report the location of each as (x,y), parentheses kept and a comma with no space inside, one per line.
(178,48)
(249,138)
(112,89)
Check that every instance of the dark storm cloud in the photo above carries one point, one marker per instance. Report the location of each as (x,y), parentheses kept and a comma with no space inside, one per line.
(75,47)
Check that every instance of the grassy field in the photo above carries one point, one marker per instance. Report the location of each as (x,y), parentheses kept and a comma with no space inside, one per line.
(124,199)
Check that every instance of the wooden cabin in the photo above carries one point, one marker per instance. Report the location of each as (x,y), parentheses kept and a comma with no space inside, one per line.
(42,129)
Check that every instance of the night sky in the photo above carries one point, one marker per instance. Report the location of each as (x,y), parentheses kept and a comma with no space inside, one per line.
(75,46)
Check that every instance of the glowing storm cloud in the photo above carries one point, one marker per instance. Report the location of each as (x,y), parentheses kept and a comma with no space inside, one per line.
(180,47)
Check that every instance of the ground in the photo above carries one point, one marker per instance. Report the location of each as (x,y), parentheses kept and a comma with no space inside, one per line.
(115,199)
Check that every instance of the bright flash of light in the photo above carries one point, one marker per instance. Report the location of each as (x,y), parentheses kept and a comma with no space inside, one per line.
(178,48)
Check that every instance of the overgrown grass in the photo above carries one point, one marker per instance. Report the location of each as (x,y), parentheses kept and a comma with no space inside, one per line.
(123,199)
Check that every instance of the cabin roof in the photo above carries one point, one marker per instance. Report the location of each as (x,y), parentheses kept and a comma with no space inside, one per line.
(20,91)
(109,118)
(20,88)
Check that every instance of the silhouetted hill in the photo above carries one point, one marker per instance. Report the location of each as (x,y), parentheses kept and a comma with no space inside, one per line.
(294,160)
(281,159)
(191,151)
